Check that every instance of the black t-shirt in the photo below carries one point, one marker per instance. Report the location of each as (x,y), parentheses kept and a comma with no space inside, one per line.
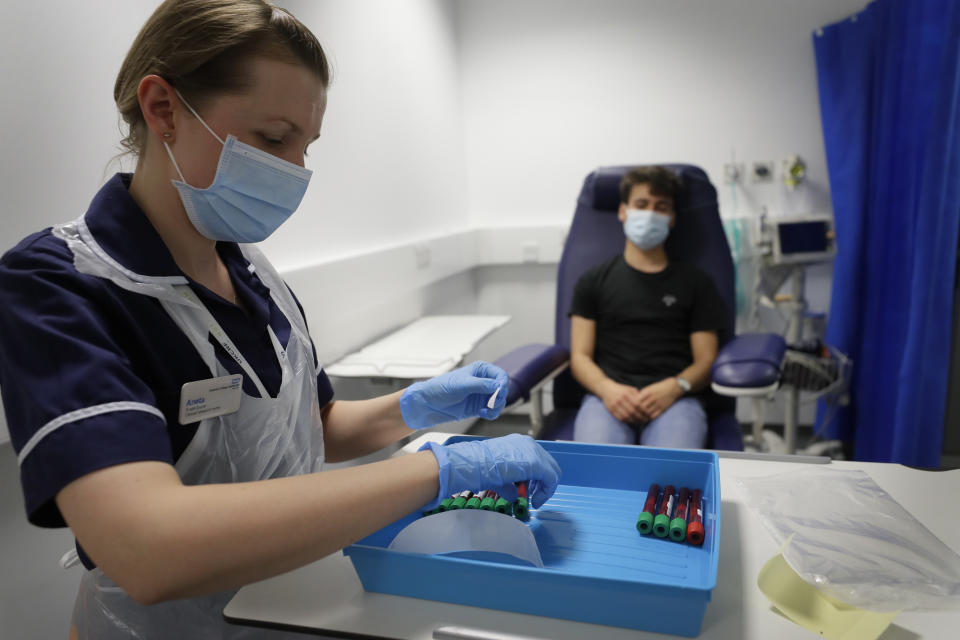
(644,320)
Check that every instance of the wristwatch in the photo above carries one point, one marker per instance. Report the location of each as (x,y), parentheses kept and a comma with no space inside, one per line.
(684,384)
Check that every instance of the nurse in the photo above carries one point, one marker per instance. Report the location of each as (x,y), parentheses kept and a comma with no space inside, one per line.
(159,381)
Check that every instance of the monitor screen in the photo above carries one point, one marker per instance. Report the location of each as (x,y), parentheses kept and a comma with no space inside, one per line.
(803,237)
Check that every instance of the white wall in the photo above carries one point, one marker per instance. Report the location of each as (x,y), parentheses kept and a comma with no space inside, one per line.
(555,88)
(389,166)
(60,60)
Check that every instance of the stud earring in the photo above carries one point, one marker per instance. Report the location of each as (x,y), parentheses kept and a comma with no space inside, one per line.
(166,134)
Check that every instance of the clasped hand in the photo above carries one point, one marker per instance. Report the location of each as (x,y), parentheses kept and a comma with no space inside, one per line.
(631,405)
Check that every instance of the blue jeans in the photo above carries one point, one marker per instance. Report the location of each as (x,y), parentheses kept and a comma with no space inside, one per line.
(682,426)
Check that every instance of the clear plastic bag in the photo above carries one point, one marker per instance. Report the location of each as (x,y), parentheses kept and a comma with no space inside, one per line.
(851,540)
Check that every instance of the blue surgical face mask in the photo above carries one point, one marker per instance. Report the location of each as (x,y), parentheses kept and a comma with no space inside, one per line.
(252,194)
(646,229)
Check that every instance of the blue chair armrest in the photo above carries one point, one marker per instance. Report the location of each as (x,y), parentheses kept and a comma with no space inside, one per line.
(749,361)
(528,365)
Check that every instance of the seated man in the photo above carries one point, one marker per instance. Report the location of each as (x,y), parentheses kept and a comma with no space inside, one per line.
(644,329)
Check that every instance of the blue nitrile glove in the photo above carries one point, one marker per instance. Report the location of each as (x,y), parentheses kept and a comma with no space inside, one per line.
(496,463)
(462,393)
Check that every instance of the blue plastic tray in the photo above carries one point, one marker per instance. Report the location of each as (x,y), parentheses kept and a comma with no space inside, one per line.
(597,566)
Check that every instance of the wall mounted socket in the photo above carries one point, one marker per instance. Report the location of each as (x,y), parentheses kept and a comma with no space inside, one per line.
(762,171)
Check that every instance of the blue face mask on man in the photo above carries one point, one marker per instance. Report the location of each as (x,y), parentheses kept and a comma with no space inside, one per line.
(252,194)
(646,229)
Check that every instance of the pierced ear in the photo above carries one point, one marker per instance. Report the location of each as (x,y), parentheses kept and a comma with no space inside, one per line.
(157,100)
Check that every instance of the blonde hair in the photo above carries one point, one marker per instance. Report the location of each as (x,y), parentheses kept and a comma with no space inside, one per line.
(201,47)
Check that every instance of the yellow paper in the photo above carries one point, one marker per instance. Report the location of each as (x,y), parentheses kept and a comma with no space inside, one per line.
(806,605)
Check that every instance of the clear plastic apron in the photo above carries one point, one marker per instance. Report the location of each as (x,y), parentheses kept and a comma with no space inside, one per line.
(266,438)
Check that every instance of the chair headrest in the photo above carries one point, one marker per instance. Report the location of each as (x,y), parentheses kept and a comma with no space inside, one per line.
(606,186)
(606,189)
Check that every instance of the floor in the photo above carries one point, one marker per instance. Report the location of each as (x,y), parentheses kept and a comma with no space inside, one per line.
(36,595)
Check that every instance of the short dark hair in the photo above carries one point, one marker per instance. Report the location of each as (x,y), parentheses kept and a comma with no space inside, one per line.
(662,181)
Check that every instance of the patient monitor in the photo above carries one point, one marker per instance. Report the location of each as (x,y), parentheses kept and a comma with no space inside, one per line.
(798,240)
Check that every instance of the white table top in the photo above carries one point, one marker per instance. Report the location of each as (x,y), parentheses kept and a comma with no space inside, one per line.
(327,597)
(427,347)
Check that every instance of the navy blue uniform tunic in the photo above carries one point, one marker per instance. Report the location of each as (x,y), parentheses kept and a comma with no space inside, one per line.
(90,373)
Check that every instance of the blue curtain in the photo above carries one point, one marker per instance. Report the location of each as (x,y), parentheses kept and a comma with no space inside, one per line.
(889,80)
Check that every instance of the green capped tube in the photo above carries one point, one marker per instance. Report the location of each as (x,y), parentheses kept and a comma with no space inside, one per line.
(661,523)
(488,501)
(678,526)
(445,504)
(460,500)
(474,501)
(645,519)
(502,506)
(521,508)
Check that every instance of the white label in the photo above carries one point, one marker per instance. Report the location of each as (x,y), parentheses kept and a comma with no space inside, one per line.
(210,398)
(670,507)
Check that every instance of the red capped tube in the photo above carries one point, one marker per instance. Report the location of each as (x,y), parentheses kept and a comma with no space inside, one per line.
(695,519)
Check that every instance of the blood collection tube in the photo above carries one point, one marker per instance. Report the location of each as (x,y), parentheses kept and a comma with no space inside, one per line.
(445,504)
(645,520)
(474,501)
(521,508)
(661,523)
(678,526)
(460,500)
(488,501)
(502,505)
(695,520)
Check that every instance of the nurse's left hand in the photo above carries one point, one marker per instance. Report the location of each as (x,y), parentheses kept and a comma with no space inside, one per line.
(459,394)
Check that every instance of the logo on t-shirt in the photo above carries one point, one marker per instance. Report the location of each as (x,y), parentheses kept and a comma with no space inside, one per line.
(669,300)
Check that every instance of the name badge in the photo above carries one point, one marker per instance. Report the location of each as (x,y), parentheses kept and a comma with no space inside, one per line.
(210,398)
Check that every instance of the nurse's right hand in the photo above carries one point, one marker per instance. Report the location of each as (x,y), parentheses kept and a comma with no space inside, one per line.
(496,463)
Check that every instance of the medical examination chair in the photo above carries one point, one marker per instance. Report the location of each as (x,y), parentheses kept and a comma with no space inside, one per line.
(597,235)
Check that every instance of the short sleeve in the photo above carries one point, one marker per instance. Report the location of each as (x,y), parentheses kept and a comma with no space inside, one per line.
(709,310)
(324,388)
(586,296)
(72,400)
